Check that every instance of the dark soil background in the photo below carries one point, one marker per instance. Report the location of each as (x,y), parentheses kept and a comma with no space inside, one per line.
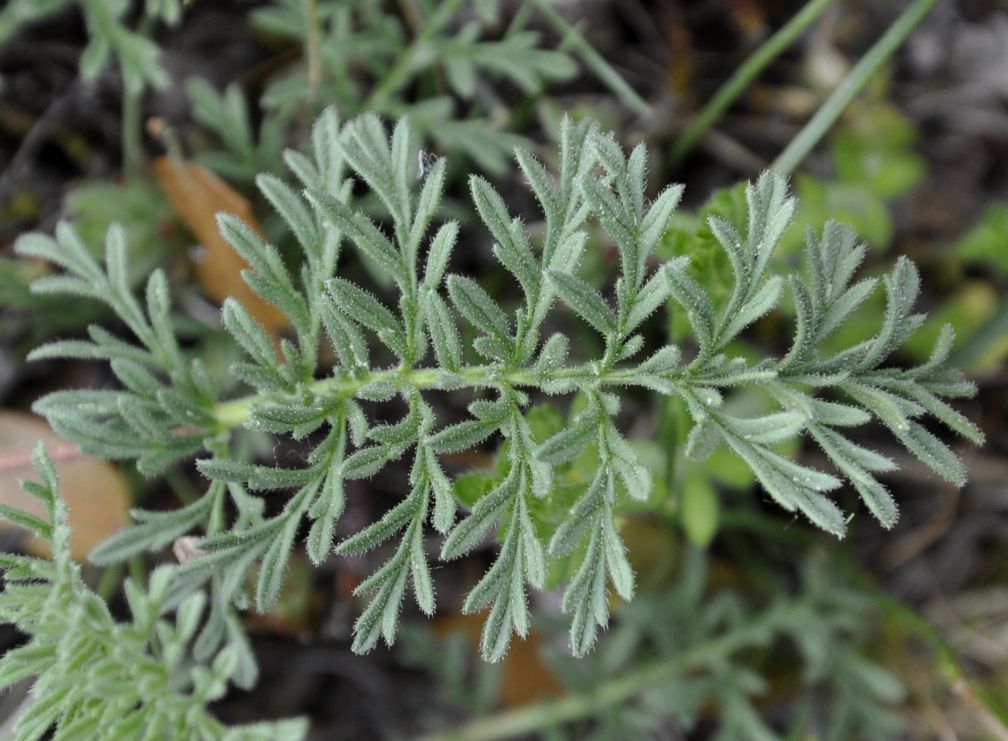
(947,556)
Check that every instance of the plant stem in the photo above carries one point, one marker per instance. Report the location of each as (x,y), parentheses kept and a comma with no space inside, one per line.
(593,60)
(108,584)
(745,74)
(544,715)
(131,149)
(407,64)
(856,79)
(132,123)
(230,414)
(313,50)
(950,667)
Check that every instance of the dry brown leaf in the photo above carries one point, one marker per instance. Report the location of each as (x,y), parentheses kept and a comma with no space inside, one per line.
(197,195)
(524,677)
(96,493)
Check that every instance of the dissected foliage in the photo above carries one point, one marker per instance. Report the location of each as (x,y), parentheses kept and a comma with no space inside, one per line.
(646,679)
(99,678)
(411,346)
(357,55)
(477,57)
(108,35)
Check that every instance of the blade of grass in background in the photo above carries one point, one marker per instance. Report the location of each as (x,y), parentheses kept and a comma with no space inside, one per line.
(745,74)
(855,81)
(593,60)
(399,75)
(547,714)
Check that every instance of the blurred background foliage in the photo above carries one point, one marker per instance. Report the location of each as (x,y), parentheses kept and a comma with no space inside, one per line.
(157,114)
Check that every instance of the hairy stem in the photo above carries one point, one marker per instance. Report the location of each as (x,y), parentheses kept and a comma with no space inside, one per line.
(234,413)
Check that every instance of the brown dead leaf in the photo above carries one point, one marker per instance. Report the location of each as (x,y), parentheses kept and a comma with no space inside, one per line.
(524,677)
(197,195)
(96,493)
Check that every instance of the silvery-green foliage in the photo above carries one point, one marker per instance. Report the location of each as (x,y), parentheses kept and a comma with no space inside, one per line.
(475,53)
(645,678)
(370,57)
(408,345)
(109,37)
(95,677)
(18,13)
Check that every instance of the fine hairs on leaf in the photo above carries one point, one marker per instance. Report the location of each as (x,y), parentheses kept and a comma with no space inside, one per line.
(95,677)
(405,343)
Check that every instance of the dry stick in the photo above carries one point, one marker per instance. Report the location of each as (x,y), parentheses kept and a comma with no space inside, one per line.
(20,458)
(987,719)
(948,667)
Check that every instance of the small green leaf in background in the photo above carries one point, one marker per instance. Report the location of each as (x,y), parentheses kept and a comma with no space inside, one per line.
(876,152)
(976,311)
(848,203)
(545,421)
(875,162)
(700,509)
(473,486)
(151,229)
(986,244)
(966,311)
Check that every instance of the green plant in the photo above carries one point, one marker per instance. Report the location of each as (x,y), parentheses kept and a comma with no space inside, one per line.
(645,676)
(168,409)
(874,163)
(358,56)
(462,57)
(108,36)
(859,76)
(99,678)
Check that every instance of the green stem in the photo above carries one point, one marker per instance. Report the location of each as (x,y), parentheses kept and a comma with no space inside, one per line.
(542,715)
(950,667)
(131,135)
(593,60)
(313,50)
(407,65)
(108,584)
(745,74)
(137,570)
(856,79)
(132,117)
(673,426)
(234,413)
